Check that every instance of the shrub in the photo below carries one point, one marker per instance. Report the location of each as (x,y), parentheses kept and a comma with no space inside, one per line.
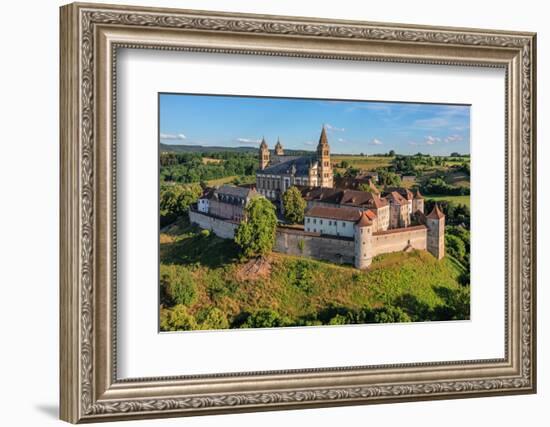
(178,284)
(455,247)
(389,314)
(339,319)
(177,319)
(303,279)
(212,318)
(216,286)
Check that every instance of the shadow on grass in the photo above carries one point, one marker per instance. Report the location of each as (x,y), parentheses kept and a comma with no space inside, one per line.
(197,248)
(417,310)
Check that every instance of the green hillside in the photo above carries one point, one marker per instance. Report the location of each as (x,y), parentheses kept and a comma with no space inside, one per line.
(215,290)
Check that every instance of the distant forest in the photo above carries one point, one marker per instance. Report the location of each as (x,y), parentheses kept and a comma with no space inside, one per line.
(198,167)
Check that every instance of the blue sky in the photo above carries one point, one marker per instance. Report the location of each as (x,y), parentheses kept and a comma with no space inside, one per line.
(352,126)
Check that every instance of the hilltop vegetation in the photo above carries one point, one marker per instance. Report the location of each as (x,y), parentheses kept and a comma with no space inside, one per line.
(205,285)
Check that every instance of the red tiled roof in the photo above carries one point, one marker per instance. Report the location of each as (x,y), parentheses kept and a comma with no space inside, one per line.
(364,221)
(404,192)
(370,214)
(344,197)
(398,198)
(343,214)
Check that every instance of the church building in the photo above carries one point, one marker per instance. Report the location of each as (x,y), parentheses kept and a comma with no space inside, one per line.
(278,172)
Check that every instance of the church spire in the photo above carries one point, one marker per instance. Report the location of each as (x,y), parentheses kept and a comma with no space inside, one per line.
(323,140)
(264,154)
(279,148)
(323,157)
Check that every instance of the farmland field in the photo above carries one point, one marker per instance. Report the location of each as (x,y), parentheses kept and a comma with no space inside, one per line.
(462,200)
(363,162)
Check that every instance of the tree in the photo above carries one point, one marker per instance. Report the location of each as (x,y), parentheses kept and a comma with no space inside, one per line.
(389,179)
(294,205)
(391,153)
(351,172)
(176,199)
(256,234)
(455,247)
(366,187)
(265,318)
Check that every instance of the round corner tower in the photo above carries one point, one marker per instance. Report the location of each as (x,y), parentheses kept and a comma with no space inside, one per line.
(435,221)
(363,242)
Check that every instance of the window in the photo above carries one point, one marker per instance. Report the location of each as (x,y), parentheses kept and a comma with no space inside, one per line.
(309,220)
(320,221)
(315,220)
(343,224)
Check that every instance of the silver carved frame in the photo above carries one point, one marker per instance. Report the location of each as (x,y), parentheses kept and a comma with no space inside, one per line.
(90,36)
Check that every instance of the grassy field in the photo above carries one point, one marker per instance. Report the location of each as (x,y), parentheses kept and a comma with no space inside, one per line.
(463,200)
(304,291)
(363,162)
(248,179)
(220,181)
(209,160)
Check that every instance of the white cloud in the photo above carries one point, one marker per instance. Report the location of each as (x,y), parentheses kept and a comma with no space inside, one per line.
(172,136)
(431,140)
(453,138)
(309,143)
(376,141)
(328,126)
(341,140)
(248,141)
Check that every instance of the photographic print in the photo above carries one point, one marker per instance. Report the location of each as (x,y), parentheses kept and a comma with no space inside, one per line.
(290,212)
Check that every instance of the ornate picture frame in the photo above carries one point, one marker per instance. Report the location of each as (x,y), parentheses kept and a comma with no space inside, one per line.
(90,37)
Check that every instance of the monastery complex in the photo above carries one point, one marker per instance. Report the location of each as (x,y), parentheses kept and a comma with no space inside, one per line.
(342,225)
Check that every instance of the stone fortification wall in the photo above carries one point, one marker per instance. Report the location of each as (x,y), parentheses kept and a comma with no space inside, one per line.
(312,245)
(220,227)
(397,240)
(339,250)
